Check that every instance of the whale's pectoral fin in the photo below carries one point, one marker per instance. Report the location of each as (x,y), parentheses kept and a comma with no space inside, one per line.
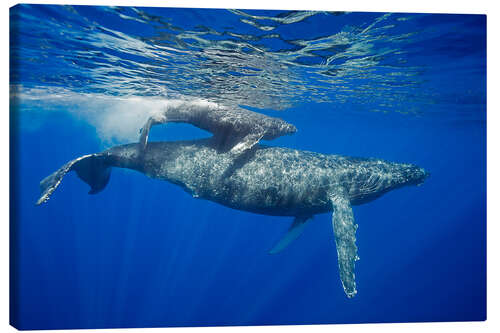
(293,233)
(247,142)
(92,169)
(143,140)
(153,120)
(345,238)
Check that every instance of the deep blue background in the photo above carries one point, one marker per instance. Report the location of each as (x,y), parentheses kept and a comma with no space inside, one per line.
(144,253)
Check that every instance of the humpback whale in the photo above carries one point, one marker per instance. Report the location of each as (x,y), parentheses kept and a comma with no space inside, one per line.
(268,180)
(234,129)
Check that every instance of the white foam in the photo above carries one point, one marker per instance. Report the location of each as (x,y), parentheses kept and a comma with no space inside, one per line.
(117,119)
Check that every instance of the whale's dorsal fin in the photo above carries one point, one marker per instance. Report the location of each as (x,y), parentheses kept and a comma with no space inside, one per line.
(344,229)
(293,233)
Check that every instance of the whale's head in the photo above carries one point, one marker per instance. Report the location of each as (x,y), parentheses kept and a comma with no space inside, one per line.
(289,128)
(399,174)
(376,177)
(414,175)
(276,127)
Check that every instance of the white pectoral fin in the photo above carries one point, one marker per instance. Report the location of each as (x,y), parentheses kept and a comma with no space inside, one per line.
(143,140)
(344,229)
(246,143)
(293,233)
(153,120)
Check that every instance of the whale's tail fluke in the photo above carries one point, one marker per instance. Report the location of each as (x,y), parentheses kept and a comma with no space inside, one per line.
(92,169)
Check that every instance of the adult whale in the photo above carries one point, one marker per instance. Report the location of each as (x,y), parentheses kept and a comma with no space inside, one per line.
(265,180)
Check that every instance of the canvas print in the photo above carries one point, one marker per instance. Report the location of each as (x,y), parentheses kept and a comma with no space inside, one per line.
(213,167)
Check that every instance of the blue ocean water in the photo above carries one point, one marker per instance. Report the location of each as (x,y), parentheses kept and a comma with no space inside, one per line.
(402,87)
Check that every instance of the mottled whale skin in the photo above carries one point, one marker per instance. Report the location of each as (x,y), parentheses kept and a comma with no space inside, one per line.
(265,180)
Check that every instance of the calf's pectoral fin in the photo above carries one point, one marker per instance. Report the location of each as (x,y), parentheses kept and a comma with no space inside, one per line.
(246,143)
(293,233)
(153,120)
(143,140)
(344,229)
(92,169)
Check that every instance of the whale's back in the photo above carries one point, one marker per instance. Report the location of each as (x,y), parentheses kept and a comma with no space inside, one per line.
(267,180)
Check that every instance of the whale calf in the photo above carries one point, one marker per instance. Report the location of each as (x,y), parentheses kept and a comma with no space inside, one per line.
(265,180)
(234,129)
